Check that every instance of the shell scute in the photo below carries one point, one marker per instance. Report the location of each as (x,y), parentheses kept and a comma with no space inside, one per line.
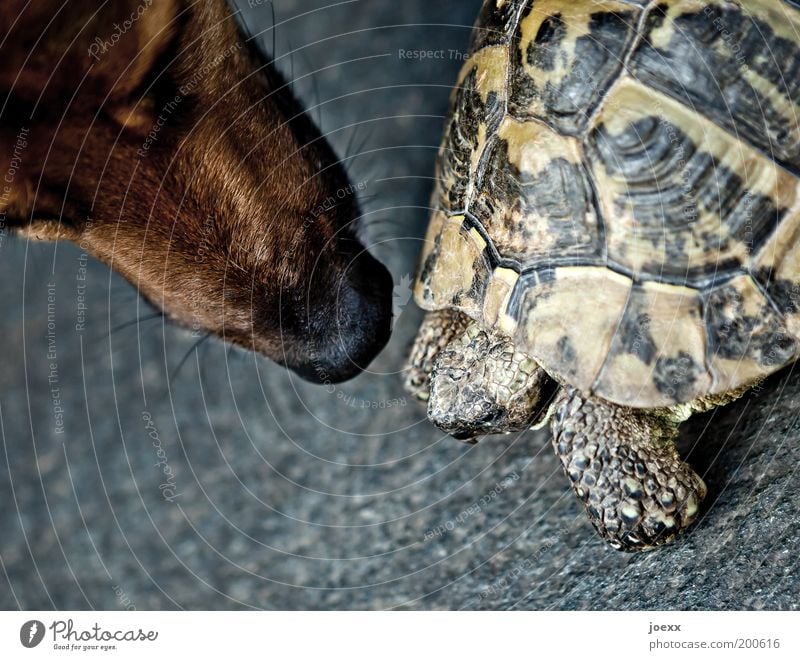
(567,320)
(455,270)
(565,55)
(495,24)
(475,110)
(777,269)
(738,63)
(747,338)
(534,196)
(659,349)
(681,197)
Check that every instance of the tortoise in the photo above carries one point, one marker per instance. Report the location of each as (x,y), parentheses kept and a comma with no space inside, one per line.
(614,242)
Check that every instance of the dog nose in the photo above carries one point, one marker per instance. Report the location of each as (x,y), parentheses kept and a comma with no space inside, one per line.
(351,325)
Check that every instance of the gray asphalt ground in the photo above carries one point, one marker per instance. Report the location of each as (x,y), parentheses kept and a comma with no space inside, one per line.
(288,496)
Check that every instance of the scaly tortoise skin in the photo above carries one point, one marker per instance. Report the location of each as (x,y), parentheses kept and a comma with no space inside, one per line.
(618,205)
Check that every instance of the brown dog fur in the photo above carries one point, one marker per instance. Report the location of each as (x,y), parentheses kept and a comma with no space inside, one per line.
(169,151)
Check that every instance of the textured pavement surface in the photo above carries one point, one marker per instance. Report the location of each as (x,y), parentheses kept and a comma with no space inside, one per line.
(283,495)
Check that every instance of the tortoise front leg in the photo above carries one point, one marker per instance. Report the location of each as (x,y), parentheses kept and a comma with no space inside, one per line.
(437,331)
(624,466)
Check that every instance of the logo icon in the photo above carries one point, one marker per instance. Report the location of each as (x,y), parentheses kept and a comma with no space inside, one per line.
(31,634)
(400,297)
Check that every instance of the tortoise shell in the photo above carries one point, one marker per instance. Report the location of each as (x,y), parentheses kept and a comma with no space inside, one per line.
(618,191)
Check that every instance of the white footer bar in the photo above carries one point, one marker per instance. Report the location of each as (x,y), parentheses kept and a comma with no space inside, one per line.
(400,635)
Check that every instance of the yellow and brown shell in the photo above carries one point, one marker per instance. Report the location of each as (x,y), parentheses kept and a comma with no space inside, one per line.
(619,191)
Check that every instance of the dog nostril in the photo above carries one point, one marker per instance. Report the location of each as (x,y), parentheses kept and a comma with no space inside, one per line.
(369,288)
(350,325)
(370,278)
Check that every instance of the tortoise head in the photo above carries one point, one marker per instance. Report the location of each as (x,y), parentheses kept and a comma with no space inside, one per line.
(481,385)
(150,134)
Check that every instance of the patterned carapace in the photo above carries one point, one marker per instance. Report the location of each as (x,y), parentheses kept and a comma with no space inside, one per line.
(618,191)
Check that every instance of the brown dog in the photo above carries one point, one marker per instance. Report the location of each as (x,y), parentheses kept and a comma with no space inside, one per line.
(149,133)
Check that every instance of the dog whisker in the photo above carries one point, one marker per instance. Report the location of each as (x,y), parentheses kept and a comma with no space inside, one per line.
(196,346)
(136,321)
(315,89)
(274,30)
